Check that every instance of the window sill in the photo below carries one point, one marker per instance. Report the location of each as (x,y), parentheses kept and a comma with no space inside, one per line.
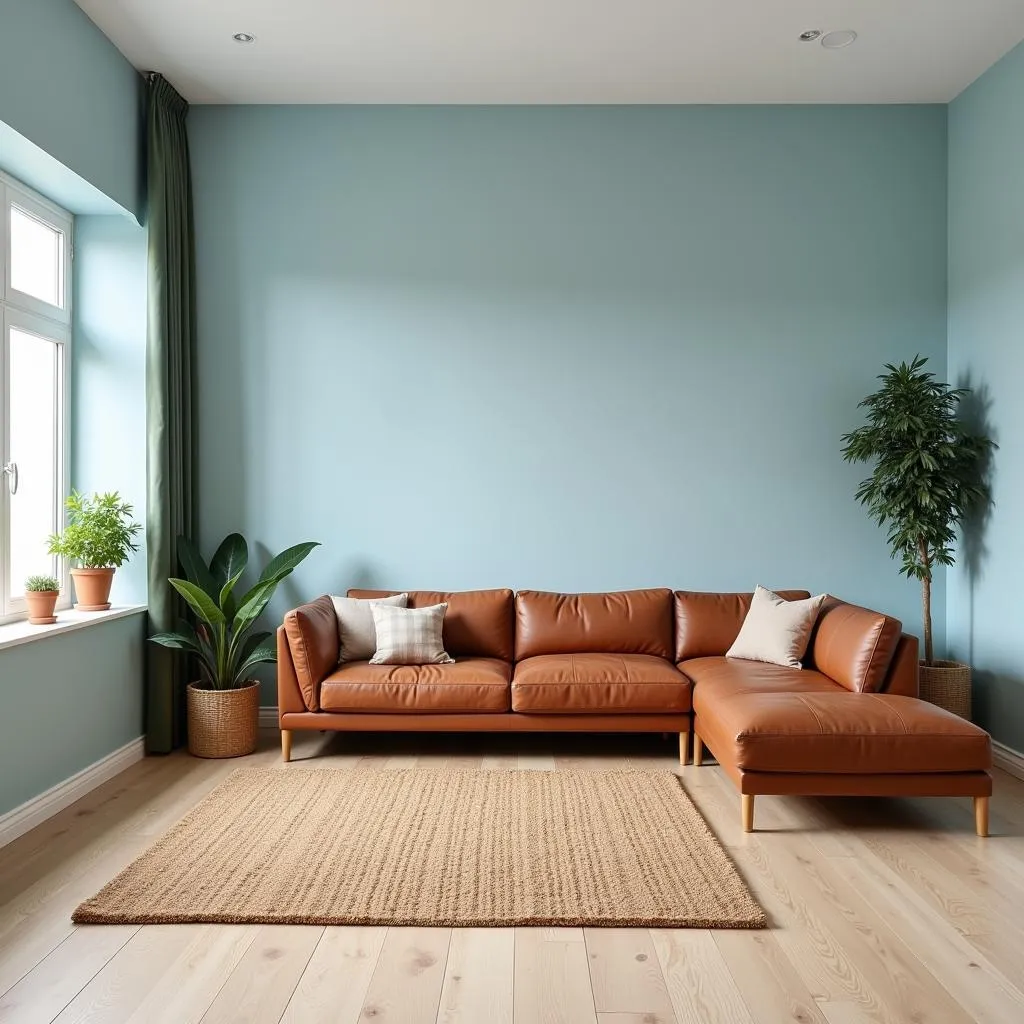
(14,633)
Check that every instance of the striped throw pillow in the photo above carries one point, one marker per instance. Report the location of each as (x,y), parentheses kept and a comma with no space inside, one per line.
(409,636)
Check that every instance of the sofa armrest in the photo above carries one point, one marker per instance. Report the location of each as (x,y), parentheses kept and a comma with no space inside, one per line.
(903,672)
(289,695)
(312,634)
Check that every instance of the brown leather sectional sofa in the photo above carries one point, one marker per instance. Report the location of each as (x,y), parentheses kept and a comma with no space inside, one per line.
(848,723)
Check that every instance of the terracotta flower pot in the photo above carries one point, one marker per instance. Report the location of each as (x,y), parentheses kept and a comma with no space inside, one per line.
(223,723)
(947,684)
(40,606)
(92,588)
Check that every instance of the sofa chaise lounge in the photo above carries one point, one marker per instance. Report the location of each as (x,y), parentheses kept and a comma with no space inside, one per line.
(848,723)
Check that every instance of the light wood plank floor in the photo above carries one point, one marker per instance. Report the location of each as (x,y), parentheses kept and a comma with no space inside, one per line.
(882,910)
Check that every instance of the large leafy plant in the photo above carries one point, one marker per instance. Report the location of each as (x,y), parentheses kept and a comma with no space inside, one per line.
(928,471)
(99,534)
(221,637)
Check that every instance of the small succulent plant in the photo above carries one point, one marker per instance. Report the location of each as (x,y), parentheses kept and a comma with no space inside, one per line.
(42,583)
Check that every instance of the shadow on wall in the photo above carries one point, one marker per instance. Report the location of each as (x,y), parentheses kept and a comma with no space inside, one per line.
(975,414)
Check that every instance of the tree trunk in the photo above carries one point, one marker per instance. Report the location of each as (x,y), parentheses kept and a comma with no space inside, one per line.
(926,604)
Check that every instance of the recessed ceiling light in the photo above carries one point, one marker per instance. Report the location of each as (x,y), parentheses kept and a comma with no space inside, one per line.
(810,35)
(243,37)
(837,40)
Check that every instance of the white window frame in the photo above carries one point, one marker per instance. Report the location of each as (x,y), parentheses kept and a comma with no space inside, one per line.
(33,316)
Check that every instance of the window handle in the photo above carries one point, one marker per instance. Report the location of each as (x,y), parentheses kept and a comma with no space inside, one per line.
(11,472)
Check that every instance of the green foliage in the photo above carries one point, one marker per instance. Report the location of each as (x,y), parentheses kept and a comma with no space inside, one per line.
(100,533)
(927,469)
(43,584)
(221,637)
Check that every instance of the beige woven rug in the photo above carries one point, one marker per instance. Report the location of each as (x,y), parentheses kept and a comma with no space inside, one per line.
(436,847)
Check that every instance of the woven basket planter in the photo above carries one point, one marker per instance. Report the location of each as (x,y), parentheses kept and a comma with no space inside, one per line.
(947,684)
(223,723)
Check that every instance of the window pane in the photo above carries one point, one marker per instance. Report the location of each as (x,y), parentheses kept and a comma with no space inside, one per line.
(37,258)
(34,368)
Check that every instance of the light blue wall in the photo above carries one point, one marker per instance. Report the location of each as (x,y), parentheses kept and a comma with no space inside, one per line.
(986,349)
(71,111)
(34,167)
(109,374)
(567,348)
(69,700)
(65,87)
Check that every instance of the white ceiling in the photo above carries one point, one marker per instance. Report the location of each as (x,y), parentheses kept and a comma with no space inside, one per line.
(561,51)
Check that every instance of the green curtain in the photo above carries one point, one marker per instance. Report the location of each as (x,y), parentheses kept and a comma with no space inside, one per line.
(170,369)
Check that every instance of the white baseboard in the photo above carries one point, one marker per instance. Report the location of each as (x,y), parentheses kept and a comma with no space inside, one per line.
(1010,760)
(268,718)
(35,811)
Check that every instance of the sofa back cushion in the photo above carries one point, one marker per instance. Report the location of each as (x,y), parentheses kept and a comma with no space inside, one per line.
(477,624)
(312,632)
(626,622)
(854,646)
(707,624)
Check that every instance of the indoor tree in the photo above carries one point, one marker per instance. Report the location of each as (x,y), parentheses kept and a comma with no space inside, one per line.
(927,471)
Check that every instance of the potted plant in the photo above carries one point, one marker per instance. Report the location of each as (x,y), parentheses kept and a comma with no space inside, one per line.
(928,475)
(41,593)
(223,704)
(99,537)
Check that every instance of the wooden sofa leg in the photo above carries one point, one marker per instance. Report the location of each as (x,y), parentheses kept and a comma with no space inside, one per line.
(684,747)
(698,750)
(286,745)
(747,805)
(981,815)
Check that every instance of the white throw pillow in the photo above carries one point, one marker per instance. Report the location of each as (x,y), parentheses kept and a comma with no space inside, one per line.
(776,630)
(355,624)
(409,636)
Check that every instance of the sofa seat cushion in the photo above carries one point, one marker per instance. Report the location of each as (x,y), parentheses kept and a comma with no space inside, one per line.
(841,733)
(599,683)
(718,679)
(467,684)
